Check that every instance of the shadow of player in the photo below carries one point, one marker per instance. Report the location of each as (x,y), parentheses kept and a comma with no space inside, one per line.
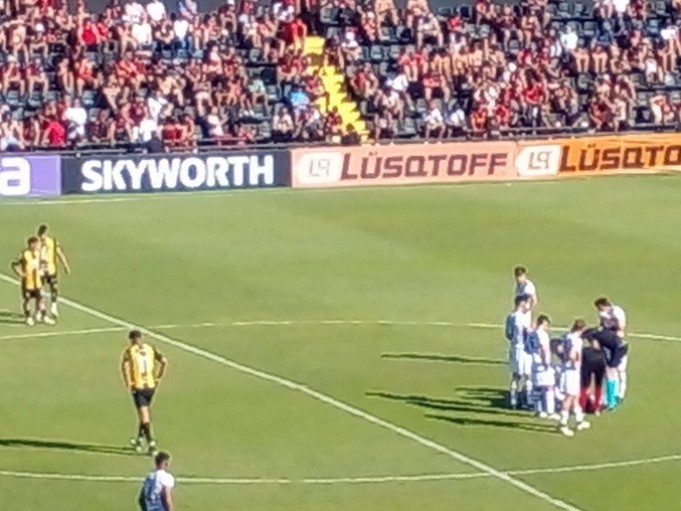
(11,318)
(64,445)
(436,357)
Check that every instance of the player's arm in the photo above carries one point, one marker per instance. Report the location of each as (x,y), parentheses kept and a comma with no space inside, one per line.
(17,268)
(125,369)
(167,498)
(141,501)
(162,364)
(61,257)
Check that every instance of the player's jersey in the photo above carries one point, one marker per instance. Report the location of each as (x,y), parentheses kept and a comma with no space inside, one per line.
(48,255)
(526,288)
(30,266)
(543,354)
(572,352)
(141,361)
(518,324)
(614,318)
(152,490)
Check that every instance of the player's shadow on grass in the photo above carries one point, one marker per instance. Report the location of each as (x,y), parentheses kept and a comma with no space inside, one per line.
(436,357)
(64,445)
(11,318)
(490,402)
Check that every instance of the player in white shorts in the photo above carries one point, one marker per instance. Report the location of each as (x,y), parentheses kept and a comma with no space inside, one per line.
(570,353)
(524,286)
(518,323)
(613,320)
(538,344)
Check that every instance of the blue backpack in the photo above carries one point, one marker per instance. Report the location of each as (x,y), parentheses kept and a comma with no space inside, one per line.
(532,344)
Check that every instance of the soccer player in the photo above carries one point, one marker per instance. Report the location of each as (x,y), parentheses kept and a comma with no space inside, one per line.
(156,493)
(538,344)
(27,268)
(594,366)
(51,253)
(570,379)
(610,335)
(518,323)
(524,286)
(142,368)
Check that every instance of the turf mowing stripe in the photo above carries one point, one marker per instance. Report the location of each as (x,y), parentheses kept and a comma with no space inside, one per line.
(345,480)
(483,467)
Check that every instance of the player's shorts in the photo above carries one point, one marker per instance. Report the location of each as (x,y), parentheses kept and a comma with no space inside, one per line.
(615,357)
(30,293)
(50,279)
(570,382)
(519,361)
(143,397)
(543,376)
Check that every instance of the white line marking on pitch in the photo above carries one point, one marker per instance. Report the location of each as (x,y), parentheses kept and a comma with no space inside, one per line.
(345,480)
(386,322)
(483,467)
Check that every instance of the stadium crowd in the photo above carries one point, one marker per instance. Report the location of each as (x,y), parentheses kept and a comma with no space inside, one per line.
(136,74)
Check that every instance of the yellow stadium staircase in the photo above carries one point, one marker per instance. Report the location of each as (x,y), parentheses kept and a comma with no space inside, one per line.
(334,84)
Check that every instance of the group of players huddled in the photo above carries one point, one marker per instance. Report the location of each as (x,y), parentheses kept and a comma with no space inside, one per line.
(562,376)
(38,266)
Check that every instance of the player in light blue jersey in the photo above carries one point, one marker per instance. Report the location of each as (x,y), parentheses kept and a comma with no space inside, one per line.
(156,493)
(518,323)
(570,353)
(538,345)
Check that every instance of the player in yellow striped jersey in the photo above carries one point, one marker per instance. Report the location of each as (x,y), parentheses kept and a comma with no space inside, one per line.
(51,255)
(27,268)
(142,368)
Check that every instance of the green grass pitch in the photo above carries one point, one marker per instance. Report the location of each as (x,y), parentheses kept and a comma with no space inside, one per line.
(366,296)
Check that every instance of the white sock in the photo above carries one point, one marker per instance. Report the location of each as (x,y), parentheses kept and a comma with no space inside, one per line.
(623,384)
(564,416)
(514,392)
(539,402)
(579,414)
(529,389)
(550,401)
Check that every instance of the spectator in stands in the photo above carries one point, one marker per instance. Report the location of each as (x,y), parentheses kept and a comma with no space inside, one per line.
(661,109)
(456,121)
(384,125)
(333,125)
(351,137)
(12,77)
(428,30)
(98,128)
(433,122)
(349,50)
(156,10)
(54,134)
(30,132)
(75,117)
(36,78)
(120,130)
(282,125)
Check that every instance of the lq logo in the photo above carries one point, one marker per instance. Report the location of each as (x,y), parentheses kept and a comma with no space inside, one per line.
(538,160)
(15,177)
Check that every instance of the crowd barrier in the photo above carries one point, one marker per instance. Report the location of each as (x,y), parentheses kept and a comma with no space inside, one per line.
(27,175)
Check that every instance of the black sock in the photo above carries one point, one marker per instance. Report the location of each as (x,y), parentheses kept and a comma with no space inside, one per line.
(140,431)
(146,429)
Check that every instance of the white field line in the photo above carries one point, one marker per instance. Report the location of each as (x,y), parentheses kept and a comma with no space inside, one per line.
(345,480)
(86,331)
(340,405)
(280,190)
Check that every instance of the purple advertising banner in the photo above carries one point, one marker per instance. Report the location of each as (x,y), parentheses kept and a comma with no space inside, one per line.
(29,176)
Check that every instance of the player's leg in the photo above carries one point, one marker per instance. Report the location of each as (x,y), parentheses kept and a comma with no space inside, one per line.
(563,424)
(41,309)
(53,283)
(26,307)
(622,377)
(514,384)
(145,419)
(527,373)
